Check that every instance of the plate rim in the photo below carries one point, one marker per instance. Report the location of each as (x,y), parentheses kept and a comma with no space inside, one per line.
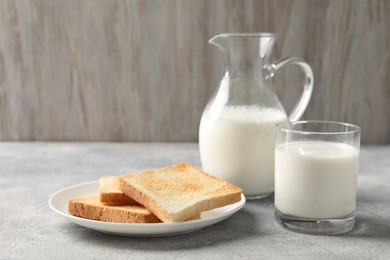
(239,205)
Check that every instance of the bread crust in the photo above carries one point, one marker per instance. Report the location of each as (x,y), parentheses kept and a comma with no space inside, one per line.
(92,208)
(196,191)
(110,194)
(143,199)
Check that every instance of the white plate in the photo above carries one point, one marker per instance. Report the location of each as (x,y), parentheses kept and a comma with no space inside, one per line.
(59,203)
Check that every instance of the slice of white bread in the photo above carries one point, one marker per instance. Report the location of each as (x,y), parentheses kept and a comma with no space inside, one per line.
(176,193)
(110,194)
(92,208)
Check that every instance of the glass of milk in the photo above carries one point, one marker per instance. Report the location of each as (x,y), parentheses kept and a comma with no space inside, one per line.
(316,167)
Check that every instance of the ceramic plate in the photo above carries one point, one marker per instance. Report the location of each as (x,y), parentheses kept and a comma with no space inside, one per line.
(59,203)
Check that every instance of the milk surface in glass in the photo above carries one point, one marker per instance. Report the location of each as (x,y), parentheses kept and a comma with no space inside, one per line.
(316,179)
(238,146)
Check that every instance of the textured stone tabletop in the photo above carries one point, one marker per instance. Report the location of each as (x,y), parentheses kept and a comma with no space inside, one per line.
(29,229)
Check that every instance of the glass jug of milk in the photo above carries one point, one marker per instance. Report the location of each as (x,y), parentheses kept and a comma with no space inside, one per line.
(237,130)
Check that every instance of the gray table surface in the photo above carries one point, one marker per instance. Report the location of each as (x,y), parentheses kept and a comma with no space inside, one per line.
(31,172)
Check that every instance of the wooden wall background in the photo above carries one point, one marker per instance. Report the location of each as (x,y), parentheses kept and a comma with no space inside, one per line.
(141,70)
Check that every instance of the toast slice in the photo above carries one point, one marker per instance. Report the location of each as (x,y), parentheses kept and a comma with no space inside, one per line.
(176,193)
(92,208)
(110,194)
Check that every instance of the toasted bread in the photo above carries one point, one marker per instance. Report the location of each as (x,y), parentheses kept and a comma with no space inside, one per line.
(110,194)
(176,193)
(92,208)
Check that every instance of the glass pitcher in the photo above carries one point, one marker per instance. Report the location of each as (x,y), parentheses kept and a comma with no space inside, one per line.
(237,129)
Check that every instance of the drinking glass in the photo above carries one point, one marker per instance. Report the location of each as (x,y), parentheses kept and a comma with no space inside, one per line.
(316,167)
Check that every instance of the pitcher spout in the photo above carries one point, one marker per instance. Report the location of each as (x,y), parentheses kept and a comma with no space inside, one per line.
(260,44)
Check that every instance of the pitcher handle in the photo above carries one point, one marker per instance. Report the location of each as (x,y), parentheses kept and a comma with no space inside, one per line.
(300,107)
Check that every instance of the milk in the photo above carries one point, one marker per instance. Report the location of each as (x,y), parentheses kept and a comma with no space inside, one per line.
(316,179)
(238,146)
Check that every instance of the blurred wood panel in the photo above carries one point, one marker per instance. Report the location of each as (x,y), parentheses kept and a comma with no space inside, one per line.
(142,70)
(347,43)
(111,70)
